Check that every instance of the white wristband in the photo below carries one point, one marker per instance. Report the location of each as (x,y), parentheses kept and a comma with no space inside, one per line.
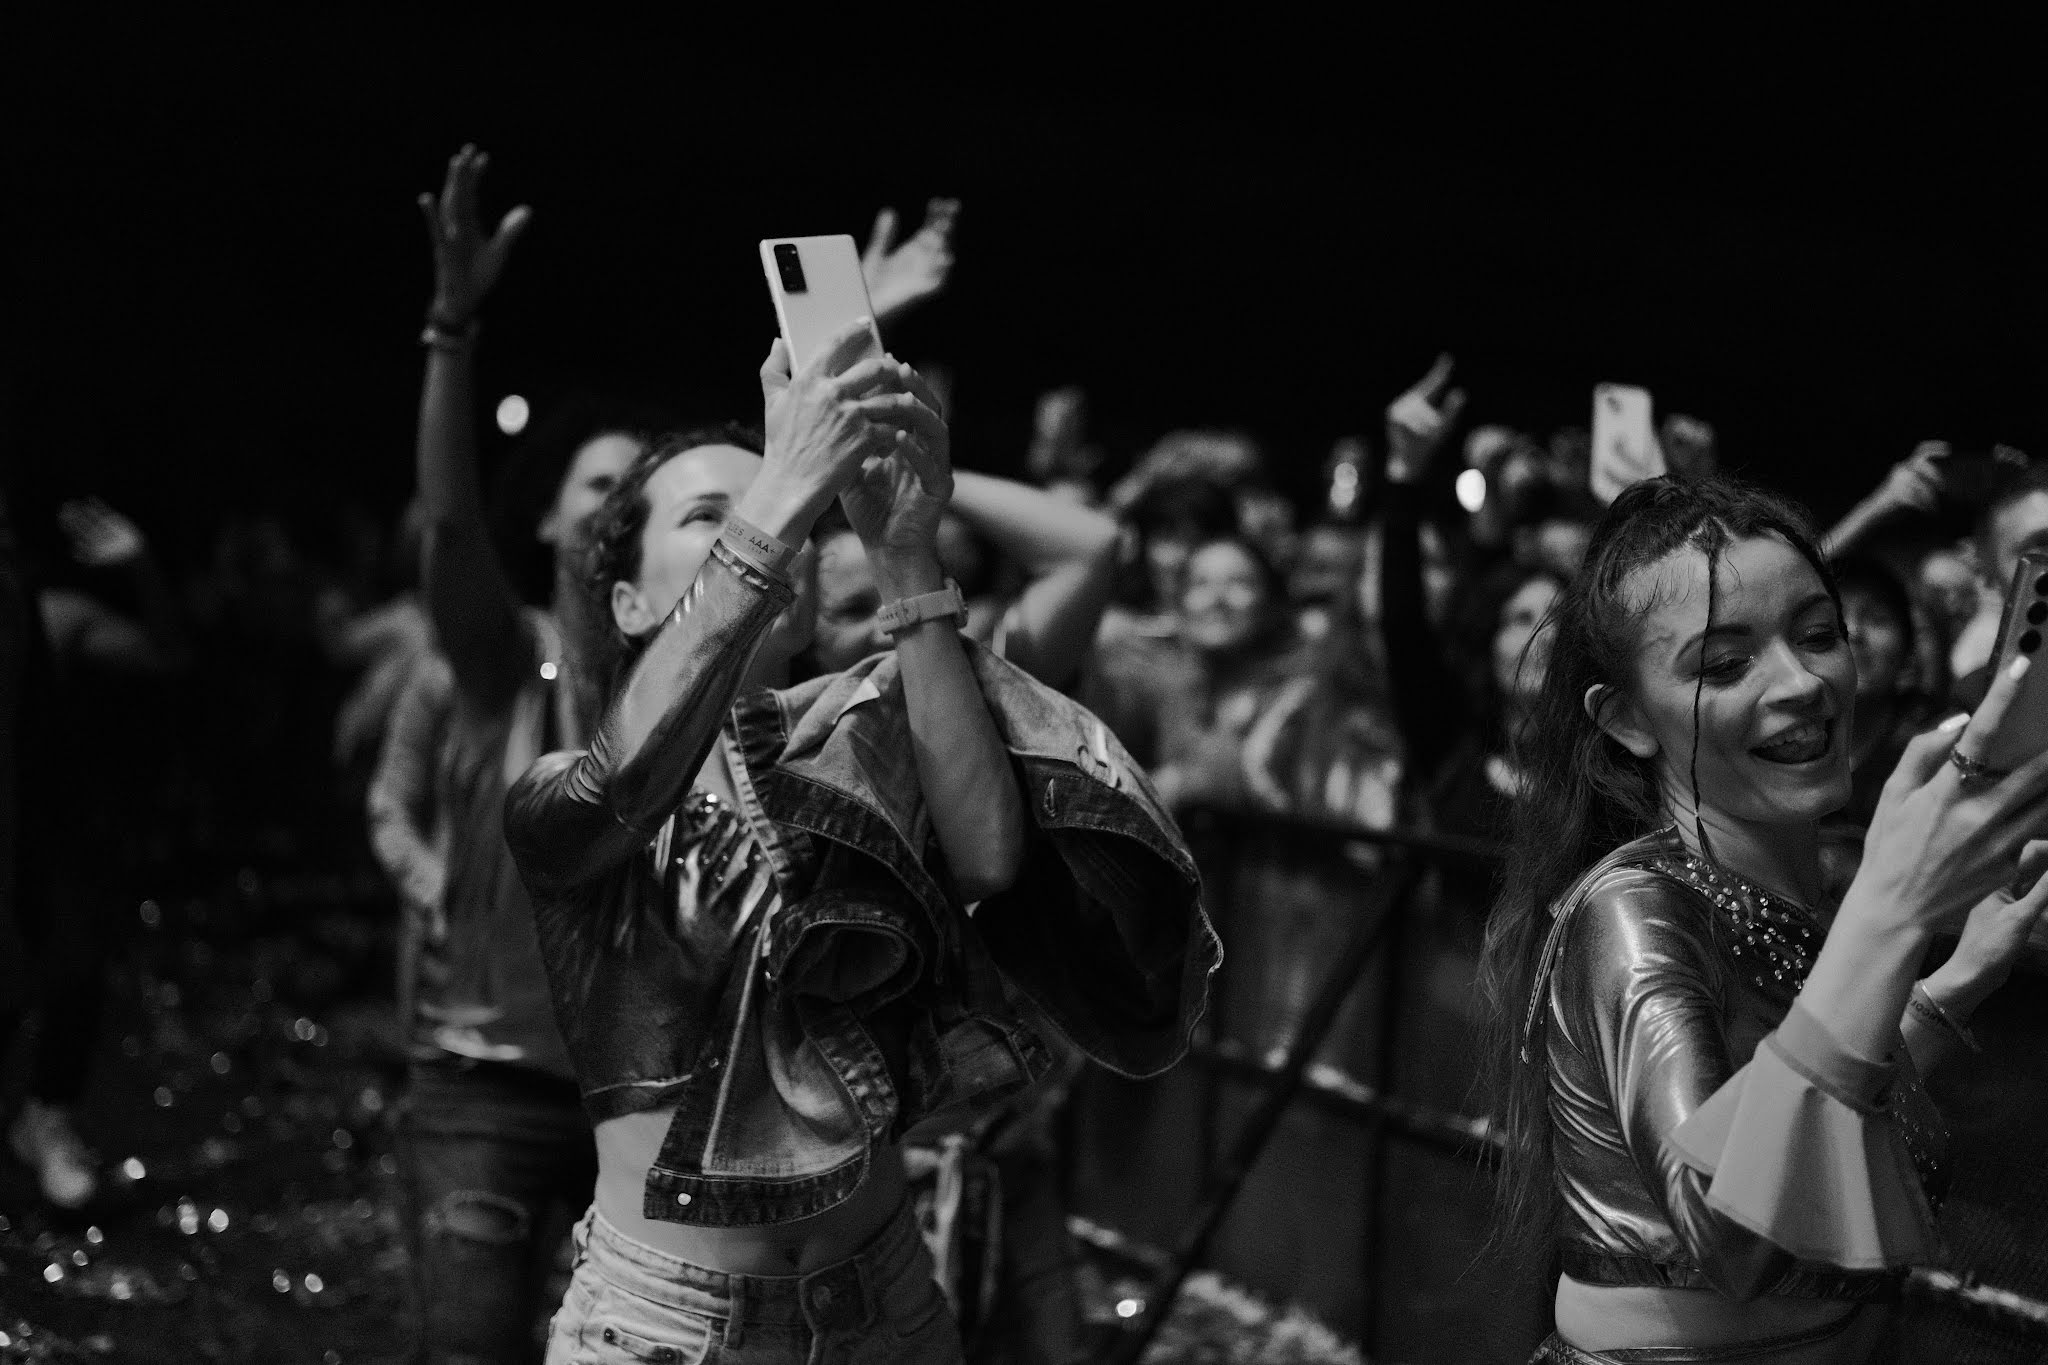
(905,612)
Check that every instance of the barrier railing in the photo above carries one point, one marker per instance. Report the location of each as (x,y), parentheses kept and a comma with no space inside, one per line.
(1288,1073)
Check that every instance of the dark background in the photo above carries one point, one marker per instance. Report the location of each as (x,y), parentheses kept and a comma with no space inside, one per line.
(1826,244)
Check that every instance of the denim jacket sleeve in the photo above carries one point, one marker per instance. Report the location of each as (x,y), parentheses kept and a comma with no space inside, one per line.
(575,816)
(1104,927)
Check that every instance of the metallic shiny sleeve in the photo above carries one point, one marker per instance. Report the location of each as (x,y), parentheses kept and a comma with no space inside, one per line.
(574,816)
(1636,987)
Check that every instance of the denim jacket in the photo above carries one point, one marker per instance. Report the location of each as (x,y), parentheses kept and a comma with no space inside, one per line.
(797,1039)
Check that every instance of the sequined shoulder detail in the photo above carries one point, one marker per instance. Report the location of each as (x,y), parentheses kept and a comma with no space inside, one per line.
(1772,939)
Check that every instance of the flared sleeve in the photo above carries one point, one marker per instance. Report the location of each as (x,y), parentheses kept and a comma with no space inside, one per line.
(1800,1147)
(1788,1154)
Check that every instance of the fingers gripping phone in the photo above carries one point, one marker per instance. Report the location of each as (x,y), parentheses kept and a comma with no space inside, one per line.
(818,289)
(1625,448)
(2023,732)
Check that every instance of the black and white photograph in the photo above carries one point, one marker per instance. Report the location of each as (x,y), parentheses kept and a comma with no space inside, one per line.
(783,687)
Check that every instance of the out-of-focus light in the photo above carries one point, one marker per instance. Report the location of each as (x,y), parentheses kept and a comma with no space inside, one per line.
(548,671)
(512,414)
(1129,1308)
(1471,490)
(314,1284)
(133,1169)
(217,1221)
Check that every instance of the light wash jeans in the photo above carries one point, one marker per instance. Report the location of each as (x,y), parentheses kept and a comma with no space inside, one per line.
(629,1303)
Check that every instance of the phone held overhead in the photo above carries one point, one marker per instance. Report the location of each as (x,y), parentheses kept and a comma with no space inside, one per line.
(1625,446)
(818,289)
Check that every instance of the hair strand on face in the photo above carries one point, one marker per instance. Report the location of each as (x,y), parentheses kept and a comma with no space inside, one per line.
(1588,795)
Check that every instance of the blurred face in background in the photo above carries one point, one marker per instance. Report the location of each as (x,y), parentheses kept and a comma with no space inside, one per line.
(1521,644)
(1329,562)
(1227,602)
(1557,544)
(1879,641)
(1948,585)
(1166,561)
(593,472)
(848,599)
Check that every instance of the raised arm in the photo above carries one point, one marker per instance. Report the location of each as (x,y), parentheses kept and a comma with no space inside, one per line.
(471,601)
(969,786)
(1913,484)
(1069,552)
(574,816)
(1430,706)
(155,640)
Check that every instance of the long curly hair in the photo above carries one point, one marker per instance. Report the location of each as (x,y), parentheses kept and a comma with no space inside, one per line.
(1589,794)
(611,549)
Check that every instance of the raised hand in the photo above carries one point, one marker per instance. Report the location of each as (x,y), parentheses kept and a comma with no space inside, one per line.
(101,538)
(821,426)
(895,504)
(1419,420)
(1995,933)
(1915,483)
(901,277)
(467,263)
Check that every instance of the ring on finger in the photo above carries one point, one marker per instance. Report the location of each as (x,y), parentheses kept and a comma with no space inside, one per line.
(1977,774)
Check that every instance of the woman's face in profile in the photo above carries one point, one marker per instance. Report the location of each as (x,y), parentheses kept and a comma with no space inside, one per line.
(1773,677)
(687,501)
(1226,600)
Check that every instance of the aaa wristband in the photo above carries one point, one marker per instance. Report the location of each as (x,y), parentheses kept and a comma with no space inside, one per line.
(905,612)
(757,547)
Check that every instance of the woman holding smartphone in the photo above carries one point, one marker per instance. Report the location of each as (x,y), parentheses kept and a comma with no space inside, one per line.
(1713,1020)
(753,914)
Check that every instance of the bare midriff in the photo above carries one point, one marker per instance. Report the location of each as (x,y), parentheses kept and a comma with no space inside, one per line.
(1599,1317)
(626,1149)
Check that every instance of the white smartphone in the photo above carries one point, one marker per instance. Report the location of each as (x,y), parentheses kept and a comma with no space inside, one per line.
(1625,448)
(818,288)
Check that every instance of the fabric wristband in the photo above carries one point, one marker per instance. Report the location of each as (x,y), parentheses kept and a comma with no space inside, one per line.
(757,547)
(1930,1012)
(905,612)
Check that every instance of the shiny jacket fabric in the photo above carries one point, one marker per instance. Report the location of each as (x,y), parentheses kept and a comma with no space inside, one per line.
(795,1044)
(1652,1007)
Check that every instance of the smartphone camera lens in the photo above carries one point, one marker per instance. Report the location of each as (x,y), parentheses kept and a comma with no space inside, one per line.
(2041,586)
(791,267)
(2037,613)
(2030,642)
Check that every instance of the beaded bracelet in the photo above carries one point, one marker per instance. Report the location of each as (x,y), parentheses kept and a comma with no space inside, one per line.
(1930,1012)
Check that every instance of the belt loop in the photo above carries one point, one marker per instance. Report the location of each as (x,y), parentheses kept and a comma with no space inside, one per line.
(735,1311)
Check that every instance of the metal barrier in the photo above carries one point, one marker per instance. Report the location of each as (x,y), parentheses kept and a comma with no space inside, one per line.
(1288,1073)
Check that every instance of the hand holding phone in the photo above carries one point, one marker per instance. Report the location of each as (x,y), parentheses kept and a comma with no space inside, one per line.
(818,289)
(1625,448)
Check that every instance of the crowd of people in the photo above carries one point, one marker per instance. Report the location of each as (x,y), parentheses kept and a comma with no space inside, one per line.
(780,818)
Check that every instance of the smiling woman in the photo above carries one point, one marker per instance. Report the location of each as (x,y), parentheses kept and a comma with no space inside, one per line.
(1711,1039)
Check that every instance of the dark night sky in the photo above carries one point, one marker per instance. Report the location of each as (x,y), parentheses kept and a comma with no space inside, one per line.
(216,268)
